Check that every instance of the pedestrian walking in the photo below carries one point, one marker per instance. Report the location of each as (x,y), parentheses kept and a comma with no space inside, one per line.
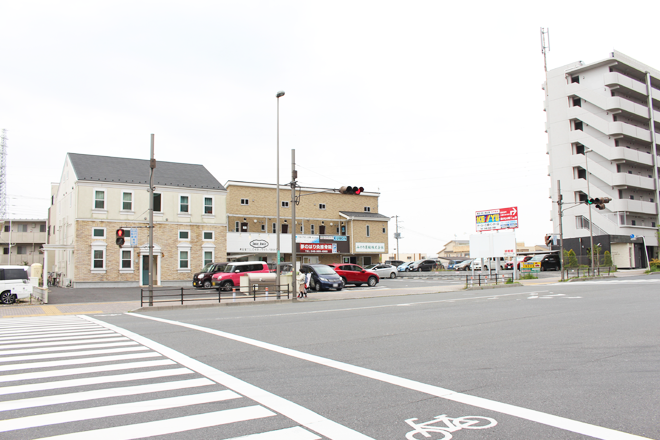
(300,278)
(308,279)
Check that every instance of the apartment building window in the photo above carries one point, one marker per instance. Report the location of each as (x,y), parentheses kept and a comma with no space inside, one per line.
(127,259)
(158,205)
(207,236)
(127,201)
(98,258)
(183,260)
(5,250)
(302,229)
(620,193)
(245,202)
(22,228)
(184,204)
(6,228)
(42,228)
(322,229)
(321,205)
(263,227)
(631,197)
(285,228)
(208,257)
(578,125)
(98,232)
(311,229)
(21,250)
(99,199)
(384,232)
(581,173)
(184,235)
(367,209)
(633,222)
(237,227)
(653,224)
(579,148)
(577,102)
(575,79)
(208,205)
(368,231)
(285,204)
(274,228)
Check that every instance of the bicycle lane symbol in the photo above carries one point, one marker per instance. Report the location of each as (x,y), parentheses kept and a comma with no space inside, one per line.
(450,425)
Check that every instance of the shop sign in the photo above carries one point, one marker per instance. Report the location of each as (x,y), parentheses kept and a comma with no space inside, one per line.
(374,248)
(529,268)
(318,248)
(496,219)
(307,238)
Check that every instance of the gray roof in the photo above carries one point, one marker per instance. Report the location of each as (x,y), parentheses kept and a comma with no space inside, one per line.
(136,171)
(364,215)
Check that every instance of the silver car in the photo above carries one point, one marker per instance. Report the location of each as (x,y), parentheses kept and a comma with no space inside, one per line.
(383,270)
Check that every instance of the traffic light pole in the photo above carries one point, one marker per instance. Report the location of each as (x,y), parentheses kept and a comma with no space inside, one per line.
(294,271)
(561,230)
(591,223)
(152,166)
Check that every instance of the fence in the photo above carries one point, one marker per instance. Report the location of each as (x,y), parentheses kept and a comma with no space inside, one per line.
(186,294)
(479,279)
(585,271)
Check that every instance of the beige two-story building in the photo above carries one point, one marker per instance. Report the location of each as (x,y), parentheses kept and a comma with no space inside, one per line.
(330,227)
(21,241)
(97,195)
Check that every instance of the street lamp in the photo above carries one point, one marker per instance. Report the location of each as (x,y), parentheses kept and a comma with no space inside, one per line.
(591,224)
(277,229)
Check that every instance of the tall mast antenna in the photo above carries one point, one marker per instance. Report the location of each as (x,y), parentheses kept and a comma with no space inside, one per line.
(545,49)
(3,175)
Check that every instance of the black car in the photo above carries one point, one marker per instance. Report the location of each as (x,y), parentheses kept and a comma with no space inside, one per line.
(548,261)
(423,266)
(323,277)
(203,278)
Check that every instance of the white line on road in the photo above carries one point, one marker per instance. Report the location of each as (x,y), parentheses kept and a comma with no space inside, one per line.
(68,343)
(504,408)
(93,360)
(61,355)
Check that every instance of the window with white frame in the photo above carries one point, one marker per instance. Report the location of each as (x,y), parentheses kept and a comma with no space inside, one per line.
(208,257)
(384,231)
(208,205)
(21,250)
(99,199)
(245,202)
(184,235)
(98,232)
(207,236)
(184,204)
(274,228)
(321,205)
(126,259)
(184,263)
(237,227)
(98,257)
(158,202)
(367,209)
(311,229)
(285,204)
(23,228)
(263,227)
(127,201)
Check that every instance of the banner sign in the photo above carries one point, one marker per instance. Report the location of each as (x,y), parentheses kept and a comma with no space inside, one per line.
(318,248)
(529,268)
(307,238)
(374,248)
(496,219)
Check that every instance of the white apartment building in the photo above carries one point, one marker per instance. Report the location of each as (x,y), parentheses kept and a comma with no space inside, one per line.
(600,144)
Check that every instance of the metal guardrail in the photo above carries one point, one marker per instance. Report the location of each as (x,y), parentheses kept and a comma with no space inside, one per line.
(479,279)
(186,294)
(577,272)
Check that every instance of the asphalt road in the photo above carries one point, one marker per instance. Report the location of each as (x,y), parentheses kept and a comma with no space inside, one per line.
(561,361)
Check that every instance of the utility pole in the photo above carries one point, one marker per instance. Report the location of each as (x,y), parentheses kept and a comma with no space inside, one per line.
(294,176)
(152,166)
(561,230)
(591,225)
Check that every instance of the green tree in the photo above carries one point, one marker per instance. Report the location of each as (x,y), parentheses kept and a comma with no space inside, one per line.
(572,259)
(607,259)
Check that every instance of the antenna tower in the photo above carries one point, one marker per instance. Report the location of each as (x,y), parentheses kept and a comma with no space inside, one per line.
(544,50)
(3,176)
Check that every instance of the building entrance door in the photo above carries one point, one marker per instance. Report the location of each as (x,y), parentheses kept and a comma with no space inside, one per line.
(145,270)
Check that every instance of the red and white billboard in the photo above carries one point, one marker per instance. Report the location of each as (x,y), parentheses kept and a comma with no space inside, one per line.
(318,248)
(495,219)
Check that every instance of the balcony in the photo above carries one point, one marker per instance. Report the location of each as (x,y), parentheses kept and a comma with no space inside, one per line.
(610,152)
(636,206)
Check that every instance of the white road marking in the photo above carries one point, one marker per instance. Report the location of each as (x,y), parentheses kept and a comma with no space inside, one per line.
(299,414)
(296,433)
(104,393)
(179,424)
(96,380)
(68,343)
(119,409)
(40,330)
(60,355)
(55,336)
(479,402)
(93,360)
(105,344)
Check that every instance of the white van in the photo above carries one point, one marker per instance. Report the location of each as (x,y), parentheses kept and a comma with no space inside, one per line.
(14,283)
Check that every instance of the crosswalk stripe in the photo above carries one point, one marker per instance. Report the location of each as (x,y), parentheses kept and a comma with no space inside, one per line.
(114,410)
(55,336)
(33,330)
(96,380)
(17,325)
(118,341)
(34,402)
(93,360)
(295,433)
(69,343)
(32,357)
(171,426)
(88,370)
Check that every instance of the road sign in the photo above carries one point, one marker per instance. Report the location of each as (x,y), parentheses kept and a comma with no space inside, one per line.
(134,237)
(496,219)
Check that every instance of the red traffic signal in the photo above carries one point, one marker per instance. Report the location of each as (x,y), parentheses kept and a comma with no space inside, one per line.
(120,237)
(351,190)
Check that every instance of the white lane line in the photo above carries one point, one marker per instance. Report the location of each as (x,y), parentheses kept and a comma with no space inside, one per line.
(504,408)
(87,370)
(104,393)
(55,336)
(119,409)
(299,414)
(171,426)
(96,380)
(118,342)
(93,360)
(33,357)
(296,433)
(23,332)
(68,343)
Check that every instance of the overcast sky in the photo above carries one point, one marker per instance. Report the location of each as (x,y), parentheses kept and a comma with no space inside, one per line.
(436,105)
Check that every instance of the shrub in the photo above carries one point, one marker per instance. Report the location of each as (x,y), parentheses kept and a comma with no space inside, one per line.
(607,259)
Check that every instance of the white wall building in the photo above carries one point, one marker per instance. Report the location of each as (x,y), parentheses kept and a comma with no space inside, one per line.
(598,119)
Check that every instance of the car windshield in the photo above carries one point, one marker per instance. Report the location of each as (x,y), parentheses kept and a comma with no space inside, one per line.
(371,266)
(324,270)
(537,258)
(229,268)
(207,268)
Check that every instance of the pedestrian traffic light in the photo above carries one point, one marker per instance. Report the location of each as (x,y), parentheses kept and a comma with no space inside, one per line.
(600,202)
(351,190)
(120,237)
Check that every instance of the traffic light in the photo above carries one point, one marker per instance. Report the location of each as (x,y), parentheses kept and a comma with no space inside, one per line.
(548,240)
(591,201)
(351,190)
(600,203)
(120,237)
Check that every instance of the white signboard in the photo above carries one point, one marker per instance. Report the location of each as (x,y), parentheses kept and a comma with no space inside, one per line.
(502,244)
(257,243)
(372,248)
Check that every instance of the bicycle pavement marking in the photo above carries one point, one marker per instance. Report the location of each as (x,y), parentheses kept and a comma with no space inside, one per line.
(479,402)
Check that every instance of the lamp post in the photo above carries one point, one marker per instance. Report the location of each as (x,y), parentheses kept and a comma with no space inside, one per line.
(277,228)
(591,224)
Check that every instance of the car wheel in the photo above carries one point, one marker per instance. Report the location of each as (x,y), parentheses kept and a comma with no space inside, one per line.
(314,285)
(339,288)
(227,286)
(6,297)
(207,284)
(372,281)
(392,275)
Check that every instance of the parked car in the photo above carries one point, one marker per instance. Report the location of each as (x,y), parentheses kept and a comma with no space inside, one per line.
(323,277)
(14,284)
(383,270)
(395,263)
(423,266)
(548,261)
(452,264)
(492,263)
(204,276)
(521,259)
(284,267)
(354,274)
(231,276)
(463,265)
(404,267)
